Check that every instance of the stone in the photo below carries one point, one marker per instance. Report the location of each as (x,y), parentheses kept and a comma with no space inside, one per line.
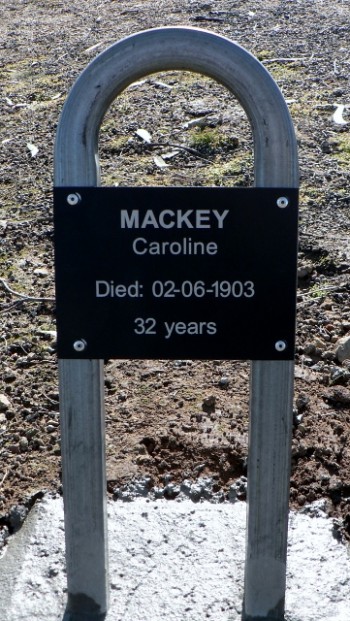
(338,376)
(187,428)
(23,444)
(186,487)
(238,490)
(224,382)
(16,516)
(9,376)
(4,535)
(143,460)
(4,403)
(302,401)
(195,493)
(335,484)
(328,355)
(41,271)
(338,394)
(309,349)
(305,270)
(171,491)
(208,404)
(342,350)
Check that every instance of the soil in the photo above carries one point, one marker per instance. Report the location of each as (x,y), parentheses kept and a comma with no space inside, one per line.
(174,419)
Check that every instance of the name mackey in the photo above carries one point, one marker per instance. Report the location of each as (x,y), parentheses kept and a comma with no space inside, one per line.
(173,218)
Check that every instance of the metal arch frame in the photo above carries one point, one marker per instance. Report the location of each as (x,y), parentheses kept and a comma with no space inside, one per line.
(81,382)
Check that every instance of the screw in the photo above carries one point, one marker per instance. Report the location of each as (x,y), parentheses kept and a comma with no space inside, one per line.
(280,345)
(80,345)
(282,202)
(73,199)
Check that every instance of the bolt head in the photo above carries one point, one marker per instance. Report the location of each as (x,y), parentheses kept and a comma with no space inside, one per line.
(73,199)
(280,346)
(79,345)
(282,202)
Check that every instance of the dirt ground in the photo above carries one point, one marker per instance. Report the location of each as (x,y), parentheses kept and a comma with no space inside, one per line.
(184,418)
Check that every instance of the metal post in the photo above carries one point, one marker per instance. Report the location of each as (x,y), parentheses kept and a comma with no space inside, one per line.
(84,487)
(271,398)
(76,163)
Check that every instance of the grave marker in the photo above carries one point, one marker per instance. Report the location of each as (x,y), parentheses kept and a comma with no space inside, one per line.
(81,372)
(137,280)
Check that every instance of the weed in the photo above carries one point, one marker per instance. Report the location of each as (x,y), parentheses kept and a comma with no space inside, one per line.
(116,145)
(342,150)
(231,173)
(316,291)
(264,55)
(208,140)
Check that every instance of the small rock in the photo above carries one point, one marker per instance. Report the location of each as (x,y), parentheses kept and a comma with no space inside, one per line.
(199,468)
(133,489)
(198,107)
(17,515)
(48,334)
(9,376)
(187,428)
(338,394)
(150,373)
(327,304)
(338,376)
(41,271)
(4,403)
(342,350)
(318,508)
(327,147)
(204,121)
(23,445)
(305,270)
(309,349)
(319,344)
(4,535)
(31,433)
(208,404)
(163,465)
(158,492)
(302,401)
(171,491)
(53,422)
(195,493)
(224,382)
(186,487)
(335,484)
(238,491)
(143,460)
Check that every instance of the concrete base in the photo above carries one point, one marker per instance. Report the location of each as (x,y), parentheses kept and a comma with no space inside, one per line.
(178,561)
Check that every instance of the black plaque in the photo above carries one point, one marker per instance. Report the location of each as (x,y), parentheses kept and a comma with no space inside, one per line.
(173,272)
